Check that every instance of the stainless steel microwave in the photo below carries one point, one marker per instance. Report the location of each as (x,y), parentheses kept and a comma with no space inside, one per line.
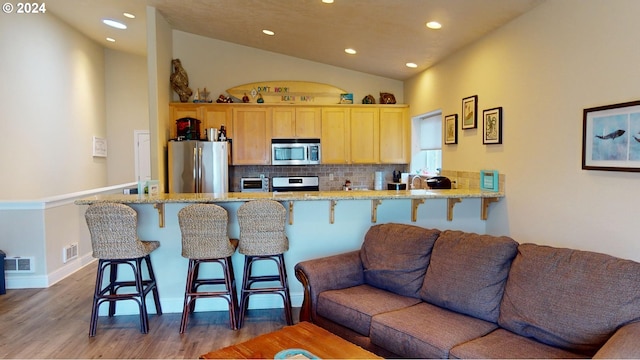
(295,151)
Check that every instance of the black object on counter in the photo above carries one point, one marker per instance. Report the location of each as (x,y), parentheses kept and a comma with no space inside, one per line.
(396,186)
(439,182)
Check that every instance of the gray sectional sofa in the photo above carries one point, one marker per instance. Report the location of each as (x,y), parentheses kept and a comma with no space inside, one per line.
(422,293)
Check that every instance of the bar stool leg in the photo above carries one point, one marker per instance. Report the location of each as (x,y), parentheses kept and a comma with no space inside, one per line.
(113,277)
(96,294)
(144,316)
(230,283)
(285,284)
(154,290)
(187,308)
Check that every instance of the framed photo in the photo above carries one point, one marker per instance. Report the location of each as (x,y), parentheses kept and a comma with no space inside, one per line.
(611,137)
(451,129)
(99,147)
(470,112)
(492,126)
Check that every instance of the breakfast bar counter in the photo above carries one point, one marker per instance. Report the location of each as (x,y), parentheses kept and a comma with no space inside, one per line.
(320,223)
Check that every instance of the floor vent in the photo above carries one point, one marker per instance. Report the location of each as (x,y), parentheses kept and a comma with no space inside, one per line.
(70,252)
(18,264)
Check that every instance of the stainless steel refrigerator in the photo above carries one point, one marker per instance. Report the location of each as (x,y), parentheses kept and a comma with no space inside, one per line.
(198,166)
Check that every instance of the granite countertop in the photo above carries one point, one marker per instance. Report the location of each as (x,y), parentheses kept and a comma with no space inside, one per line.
(290,196)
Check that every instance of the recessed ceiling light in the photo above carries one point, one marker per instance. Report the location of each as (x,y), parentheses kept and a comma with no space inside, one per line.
(111,40)
(115,24)
(411,65)
(350,51)
(434,25)
(129,15)
(268,32)
(327,1)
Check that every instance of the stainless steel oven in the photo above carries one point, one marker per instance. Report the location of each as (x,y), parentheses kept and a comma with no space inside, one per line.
(295,151)
(295,183)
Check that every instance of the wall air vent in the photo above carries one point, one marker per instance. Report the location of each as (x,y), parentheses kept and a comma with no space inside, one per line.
(70,252)
(18,264)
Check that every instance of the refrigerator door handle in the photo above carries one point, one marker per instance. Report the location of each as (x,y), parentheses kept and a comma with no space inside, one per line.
(199,180)
(195,169)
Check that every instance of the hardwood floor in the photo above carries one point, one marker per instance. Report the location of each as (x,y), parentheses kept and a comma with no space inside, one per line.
(54,323)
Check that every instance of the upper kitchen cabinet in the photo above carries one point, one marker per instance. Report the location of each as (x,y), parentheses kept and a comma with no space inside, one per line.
(252,129)
(395,136)
(296,122)
(335,135)
(218,116)
(365,135)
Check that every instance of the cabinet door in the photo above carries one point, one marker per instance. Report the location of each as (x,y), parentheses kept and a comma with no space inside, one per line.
(308,122)
(217,115)
(365,136)
(284,119)
(335,136)
(394,136)
(252,130)
(179,111)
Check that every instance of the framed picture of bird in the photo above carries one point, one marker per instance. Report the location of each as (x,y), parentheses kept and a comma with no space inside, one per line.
(611,137)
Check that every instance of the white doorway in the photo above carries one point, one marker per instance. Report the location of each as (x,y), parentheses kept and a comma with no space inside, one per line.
(142,145)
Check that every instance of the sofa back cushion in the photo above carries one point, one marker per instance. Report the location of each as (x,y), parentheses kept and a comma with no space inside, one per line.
(467,273)
(395,257)
(569,298)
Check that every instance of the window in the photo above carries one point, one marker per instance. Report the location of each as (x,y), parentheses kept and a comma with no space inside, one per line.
(426,155)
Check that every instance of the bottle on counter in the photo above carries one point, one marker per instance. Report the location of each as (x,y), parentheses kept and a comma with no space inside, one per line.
(223,133)
(347,185)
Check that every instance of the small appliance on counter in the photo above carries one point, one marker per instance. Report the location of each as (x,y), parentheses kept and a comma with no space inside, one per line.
(439,182)
(396,186)
(188,129)
(257,184)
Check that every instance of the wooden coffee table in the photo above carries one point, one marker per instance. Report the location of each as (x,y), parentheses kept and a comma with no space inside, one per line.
(303,335)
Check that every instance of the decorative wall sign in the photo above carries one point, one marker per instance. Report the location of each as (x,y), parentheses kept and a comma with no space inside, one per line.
(99,147)
(289,92)
(611,137)
(470,112)
(492,126)
(451,129)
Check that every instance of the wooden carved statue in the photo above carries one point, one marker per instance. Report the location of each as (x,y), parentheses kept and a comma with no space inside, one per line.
(180,81)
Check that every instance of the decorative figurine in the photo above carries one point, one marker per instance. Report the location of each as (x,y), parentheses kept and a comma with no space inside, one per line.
(196,96)
(369,99)
(180,81)
(387,98)
(260,99)
(245,98)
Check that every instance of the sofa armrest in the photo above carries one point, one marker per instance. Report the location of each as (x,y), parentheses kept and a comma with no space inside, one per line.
(623,344)
(327,273)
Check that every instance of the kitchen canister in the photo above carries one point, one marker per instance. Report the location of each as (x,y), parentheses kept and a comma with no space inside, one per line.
(212,134)
(378,180)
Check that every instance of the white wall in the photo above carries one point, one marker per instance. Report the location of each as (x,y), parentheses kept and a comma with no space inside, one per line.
(219,65)
(544,68)
(127,110)
(53,102)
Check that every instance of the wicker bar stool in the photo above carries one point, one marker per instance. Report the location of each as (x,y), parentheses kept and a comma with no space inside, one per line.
(262,237)
(205,240)
(114,239)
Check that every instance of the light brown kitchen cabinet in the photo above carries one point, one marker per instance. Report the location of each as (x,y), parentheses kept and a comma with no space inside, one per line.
(216,117)
(395,136)
(179,111)
(335,135)
(296,122)
(365,136)
(252,129)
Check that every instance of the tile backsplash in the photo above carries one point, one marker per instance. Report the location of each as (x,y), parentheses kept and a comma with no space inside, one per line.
(361,176)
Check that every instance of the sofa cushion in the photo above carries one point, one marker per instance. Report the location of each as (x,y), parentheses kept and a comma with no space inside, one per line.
(395,257)
(353,307)
(425,331)
(568,298)
(502,344)
(467,273)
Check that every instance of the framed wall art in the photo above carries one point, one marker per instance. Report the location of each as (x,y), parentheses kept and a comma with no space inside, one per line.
(492,126)
(611,137)
(470,112)
(451,129)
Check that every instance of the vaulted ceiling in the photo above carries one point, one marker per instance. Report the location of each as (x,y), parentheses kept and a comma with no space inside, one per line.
(386,34)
